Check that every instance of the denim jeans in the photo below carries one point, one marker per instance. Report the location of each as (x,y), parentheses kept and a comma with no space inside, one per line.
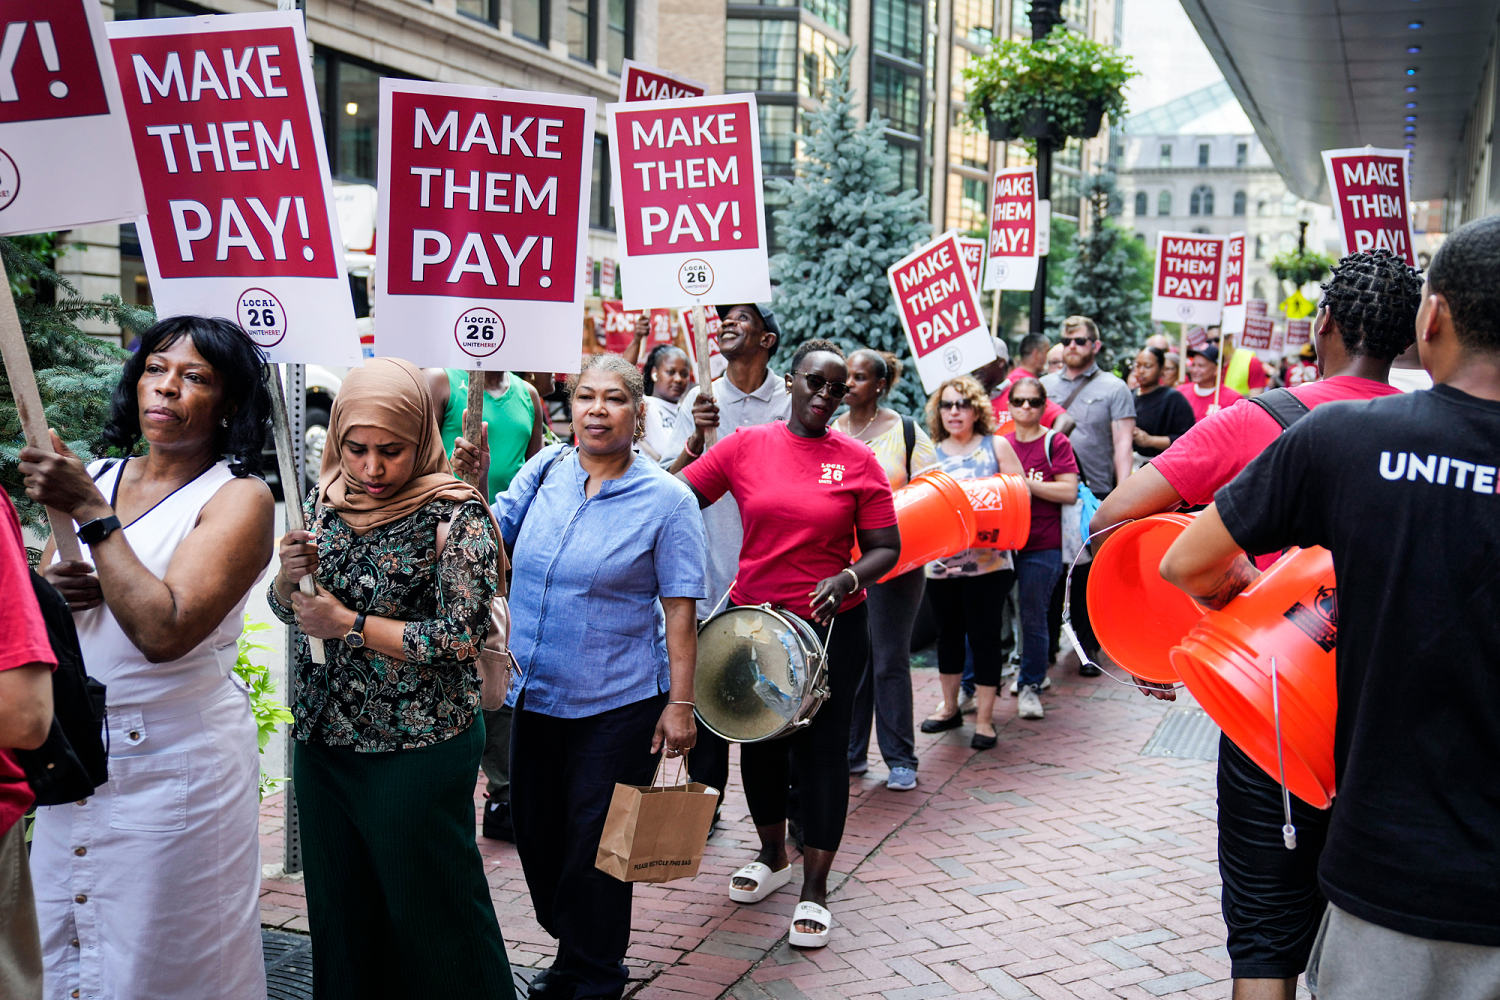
(884,691)
(1036,574)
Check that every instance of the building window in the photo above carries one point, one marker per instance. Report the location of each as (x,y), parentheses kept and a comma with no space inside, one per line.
(619,34)
(487,11)
(1201,202)
(835,13)
(1202,154)
(966,146)
(898,28)
(1239,203)
(1164,203)
(129,10)
(1260,247)
(818,53)
(1258,290)
(1164,158)
(1260,207)
(1241,153)
(973,21)
(601,214)
(778,139)
(897,94)
(760,55)
(968,203)
(1140,203)
(1076,13)
(580,31)
(530,19)
(349,95)
(908,169)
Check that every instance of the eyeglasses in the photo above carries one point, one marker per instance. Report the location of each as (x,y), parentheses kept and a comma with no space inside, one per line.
(955,404)
(1031,401)
(817,383)
(1077,341)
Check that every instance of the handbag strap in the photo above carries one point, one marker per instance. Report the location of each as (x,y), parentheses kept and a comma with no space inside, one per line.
(1082,384)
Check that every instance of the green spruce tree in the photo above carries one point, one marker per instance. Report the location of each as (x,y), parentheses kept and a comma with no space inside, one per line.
(75,373)
(1108,276)
(845,222)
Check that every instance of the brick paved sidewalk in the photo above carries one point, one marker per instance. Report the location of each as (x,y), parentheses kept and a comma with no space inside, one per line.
(1059,864)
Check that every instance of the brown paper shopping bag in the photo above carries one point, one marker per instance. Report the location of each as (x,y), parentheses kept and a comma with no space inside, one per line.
(656,833)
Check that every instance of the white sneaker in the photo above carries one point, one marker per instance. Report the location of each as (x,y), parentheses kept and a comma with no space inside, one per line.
(1029,704)
(1015,685)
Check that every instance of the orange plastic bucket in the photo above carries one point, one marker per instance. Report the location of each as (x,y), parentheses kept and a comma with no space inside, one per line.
(1290,612)
(1002,511)
(1137,616)
(935,520)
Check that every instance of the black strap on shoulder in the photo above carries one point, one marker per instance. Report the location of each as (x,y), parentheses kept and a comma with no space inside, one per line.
(909,431)
(109,464)
(1283,406)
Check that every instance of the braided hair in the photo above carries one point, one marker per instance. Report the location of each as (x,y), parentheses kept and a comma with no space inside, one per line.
(1373,297)
(1463,273)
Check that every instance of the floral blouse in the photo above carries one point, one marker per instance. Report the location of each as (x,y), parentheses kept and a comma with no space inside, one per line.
(364,700)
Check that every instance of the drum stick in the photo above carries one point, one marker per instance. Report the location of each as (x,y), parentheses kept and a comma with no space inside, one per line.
(290,483)
(705,381)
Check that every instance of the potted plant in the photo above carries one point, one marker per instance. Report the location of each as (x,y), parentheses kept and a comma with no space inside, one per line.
(1047,90)
(1301,267)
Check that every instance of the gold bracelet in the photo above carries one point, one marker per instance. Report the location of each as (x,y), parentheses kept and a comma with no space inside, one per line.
(689,704)
(852,575)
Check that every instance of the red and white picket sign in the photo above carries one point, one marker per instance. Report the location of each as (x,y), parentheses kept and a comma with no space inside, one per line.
(1278,342)
(1256,334)
(1298,332)
(1197,337)
(1186,286)
(1371,199)
(484,199)
(1257,307)
(1011,261)
(65,153)
(690,219)
(607,276)
(973,251)
(240,221)
(1232,284)
(639,82)
(940,311)
(713,324)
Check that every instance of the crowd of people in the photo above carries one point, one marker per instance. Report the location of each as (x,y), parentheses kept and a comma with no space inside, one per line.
(752,490)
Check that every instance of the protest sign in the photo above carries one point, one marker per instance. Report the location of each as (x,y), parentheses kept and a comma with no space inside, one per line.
(65,153)
(1197,337)
(1257,333)
(690,220)
(1278,341)
(1257,307)
(940,311)
(973,251)
(1011,261)
(607,276)
(1369,188)
(483,206)
(639,82)
(712,324)
(1298,332)
(239,219)
(1232,284)
(1186,287)
(619,325)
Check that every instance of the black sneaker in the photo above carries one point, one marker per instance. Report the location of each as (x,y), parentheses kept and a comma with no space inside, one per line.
(496,825)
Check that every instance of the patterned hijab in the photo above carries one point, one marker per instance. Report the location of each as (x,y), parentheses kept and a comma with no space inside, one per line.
(392,395)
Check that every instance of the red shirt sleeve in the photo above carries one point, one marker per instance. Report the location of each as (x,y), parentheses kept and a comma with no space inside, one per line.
(23,634)
(1063,459)
(1051,412)
(874,505)
(709,474)
(1214,450)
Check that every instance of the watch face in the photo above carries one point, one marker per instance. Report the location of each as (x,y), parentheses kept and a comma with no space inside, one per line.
(354,639)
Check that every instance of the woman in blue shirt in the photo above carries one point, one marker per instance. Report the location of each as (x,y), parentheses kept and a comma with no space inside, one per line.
(609,558)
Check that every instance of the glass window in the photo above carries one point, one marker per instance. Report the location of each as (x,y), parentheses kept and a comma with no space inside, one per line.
(973,21)
(529,19)
(1076,13)
(601,215)
(356,110)
(1202,154)
(1260,207)
(1258,289)
(1239,203)
(1260,247)
(760,55)
(818,53)
(778,139)
(619,34)
(1140,203)
(965,145)
(968,203)
(908,167)
(1241,153)
(898,28)
(1164,203)
(833,12)
(581,29)
(1067,191)
(1164,158)
(897,95)
(129,10)
(481,10)
(1201,201)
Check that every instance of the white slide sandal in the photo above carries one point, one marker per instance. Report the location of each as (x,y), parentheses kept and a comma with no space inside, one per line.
(810,912)
(766,882)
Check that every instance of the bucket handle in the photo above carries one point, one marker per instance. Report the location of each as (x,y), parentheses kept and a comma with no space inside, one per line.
(1288,831)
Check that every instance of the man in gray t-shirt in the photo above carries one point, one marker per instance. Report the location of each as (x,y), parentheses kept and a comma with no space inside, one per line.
(1104,409)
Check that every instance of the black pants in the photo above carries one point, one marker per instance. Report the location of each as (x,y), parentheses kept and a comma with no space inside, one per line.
(563,775)
(818,752)
(495,761)
(1271,900)
(1078,611)
(968,607)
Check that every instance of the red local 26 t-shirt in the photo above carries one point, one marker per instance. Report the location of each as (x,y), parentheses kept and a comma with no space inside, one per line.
(23,640)
(800,501)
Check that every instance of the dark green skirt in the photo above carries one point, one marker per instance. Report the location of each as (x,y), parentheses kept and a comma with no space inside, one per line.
(396,894)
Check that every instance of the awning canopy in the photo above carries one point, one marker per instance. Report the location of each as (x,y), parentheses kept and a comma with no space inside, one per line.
(1329,74)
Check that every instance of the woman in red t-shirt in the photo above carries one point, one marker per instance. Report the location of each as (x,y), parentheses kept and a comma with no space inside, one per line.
(1052,478)
(805,495)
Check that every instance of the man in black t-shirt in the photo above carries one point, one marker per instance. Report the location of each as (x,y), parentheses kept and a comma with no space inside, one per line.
(1402,490)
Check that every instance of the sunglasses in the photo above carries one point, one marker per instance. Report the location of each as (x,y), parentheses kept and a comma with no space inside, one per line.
(955,404)
(1030,401)
(817,383)
(1076,341)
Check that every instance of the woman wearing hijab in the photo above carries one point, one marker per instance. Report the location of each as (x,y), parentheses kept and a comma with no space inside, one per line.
(388,734)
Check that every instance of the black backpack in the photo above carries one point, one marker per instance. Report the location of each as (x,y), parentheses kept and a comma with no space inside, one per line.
(73,762)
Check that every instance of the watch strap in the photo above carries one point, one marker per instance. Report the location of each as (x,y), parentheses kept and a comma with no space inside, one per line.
(95,531)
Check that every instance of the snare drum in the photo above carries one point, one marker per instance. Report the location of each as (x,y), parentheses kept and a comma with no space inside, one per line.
(762,673)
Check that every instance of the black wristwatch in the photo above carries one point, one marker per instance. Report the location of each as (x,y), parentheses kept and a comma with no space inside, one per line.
(95,531)
(355,637)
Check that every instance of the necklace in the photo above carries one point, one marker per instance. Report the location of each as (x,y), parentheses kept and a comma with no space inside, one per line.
(848,422)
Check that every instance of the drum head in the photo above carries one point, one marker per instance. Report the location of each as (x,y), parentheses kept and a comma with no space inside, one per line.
(752,672)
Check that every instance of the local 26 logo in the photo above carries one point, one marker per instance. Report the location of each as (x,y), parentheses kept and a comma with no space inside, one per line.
(10,180)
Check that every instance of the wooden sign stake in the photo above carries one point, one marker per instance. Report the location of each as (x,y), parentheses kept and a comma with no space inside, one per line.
(705,381)
(473,425)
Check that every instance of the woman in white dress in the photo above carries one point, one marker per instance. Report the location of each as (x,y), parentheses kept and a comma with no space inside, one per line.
(667,377)
(150,889)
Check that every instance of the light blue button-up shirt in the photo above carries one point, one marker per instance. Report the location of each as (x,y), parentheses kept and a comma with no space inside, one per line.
(587,629)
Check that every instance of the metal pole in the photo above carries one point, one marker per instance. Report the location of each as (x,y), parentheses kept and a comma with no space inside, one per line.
(1044,15)
(291,494)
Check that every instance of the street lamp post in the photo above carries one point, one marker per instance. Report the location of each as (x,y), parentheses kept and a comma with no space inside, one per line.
(1045,14)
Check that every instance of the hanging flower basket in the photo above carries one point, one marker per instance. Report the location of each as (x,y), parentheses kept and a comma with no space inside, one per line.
(1074,80)
(1000,129)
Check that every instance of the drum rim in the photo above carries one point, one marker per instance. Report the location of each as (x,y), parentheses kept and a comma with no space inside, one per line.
(817,655)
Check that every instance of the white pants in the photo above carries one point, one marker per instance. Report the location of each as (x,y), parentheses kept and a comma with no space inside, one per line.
(150,889)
